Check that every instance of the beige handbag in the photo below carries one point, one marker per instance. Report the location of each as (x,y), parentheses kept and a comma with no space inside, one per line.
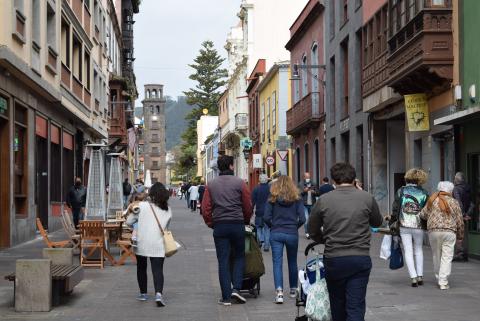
(171,247)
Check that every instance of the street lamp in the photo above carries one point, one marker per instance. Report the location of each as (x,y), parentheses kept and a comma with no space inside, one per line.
(296,67)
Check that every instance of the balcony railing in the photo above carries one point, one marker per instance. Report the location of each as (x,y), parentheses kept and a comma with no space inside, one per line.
(306,113)
(241,121)
(420,56)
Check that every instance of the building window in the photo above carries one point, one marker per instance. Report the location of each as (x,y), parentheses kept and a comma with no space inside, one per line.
(440,3)
(417,153)
(298,165)
(333,96)
(346,147)
(20,148)
(154,137)
(262,111)
(157,108)
(316,165)
(36,22)
(51,27)
(296,91)
(65,43)
(315,71)
(56,163)
(87,68)
(360,154)
(77,58)
(345,87)
(345,11)
(304,76)
(306,156)
(332,18)
(155,164)
(155,150)
(268,120)
(274,112)
(19,24)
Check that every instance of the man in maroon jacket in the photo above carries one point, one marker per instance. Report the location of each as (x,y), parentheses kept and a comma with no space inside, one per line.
(227,207)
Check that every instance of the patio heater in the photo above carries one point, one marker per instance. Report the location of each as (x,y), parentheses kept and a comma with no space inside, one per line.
(115,191)
(96,205)
(148,179)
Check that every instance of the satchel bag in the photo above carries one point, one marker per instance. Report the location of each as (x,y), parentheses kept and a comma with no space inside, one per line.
(317,307)
(171,247)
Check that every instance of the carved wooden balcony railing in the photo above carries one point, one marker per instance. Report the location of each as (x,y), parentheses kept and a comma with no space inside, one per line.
(306,113)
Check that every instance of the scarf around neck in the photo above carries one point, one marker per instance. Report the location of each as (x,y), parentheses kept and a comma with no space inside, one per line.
(442,202)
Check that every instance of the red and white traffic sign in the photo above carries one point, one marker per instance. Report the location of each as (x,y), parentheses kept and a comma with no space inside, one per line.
(283,154)
(270,160)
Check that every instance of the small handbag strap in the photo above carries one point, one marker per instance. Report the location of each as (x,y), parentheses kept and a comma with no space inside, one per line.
(156,219)
(317,270)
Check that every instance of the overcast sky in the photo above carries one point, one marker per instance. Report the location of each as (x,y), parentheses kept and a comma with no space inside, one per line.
(168,35)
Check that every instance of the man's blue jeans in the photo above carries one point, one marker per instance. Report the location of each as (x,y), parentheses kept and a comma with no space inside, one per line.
(347,280)
(228,238)
(263,232)
(290,241)
(308,209)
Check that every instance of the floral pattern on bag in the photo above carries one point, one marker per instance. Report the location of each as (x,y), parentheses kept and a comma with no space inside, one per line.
(317,307)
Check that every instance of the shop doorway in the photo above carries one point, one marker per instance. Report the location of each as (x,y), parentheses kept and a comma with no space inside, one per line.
(395,158)
(474,180)
(4,184)
(41,195)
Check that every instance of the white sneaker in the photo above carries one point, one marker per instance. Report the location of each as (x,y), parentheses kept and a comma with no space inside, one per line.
(444,287)
(279,297)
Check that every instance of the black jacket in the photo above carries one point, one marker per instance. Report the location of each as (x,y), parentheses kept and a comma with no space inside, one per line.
(77,197)
(313,188)
(463,194)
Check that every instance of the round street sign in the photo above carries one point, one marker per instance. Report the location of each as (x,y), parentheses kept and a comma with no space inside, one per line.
(270,160)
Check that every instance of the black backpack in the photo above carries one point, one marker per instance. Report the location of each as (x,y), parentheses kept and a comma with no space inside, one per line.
(127,188)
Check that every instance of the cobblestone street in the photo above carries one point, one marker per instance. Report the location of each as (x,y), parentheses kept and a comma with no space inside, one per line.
(192,288)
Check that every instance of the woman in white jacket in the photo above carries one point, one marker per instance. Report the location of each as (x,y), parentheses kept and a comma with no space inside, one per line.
(150,239)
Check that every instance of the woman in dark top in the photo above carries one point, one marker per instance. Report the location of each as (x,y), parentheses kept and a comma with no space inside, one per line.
(284,214)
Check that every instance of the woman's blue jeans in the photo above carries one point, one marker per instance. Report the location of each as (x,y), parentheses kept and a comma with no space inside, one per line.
(277,242)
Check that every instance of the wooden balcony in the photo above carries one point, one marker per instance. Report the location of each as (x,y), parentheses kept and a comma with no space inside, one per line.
(420,56)
(305,114)
(375,75)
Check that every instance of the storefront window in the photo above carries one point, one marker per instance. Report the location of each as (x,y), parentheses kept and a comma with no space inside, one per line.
(55,165)
(474,180)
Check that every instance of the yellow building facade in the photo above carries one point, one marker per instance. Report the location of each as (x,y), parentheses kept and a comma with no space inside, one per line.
(275,97)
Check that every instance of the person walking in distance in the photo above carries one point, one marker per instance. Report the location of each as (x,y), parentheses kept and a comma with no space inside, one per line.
(227,208)
(409,201)
(187,193)
(325,187)
(342,219)
(284,215)
(259,200)
(463,194)
(193,192)
(201,192)
(76,200)
(309,192)
(127,190)
(150,240)
(444,219)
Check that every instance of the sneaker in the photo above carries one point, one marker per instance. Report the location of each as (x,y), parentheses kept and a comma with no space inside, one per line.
(279,297)
(414,283)
(159,300)
(444,287)
(237,297)
(142,297)
(266,249)
(420,280)
(224,302)
(293,292)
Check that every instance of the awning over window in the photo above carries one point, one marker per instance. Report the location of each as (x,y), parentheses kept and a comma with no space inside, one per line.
(459,117)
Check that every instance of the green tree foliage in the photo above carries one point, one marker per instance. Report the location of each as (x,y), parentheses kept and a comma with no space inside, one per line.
(209,78)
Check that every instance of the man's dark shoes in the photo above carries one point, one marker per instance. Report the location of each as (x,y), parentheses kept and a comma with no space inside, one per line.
(238,298)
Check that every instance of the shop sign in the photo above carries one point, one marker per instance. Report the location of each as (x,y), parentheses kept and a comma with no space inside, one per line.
(3,105)
(257,161)
(416,109)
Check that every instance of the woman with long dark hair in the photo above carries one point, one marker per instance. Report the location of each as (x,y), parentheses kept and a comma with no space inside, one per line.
(150,239)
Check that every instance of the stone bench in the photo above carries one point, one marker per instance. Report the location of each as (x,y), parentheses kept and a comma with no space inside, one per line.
(39,284)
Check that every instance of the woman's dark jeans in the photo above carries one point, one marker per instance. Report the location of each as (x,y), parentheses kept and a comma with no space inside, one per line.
(347,280)
(157,271)
(230,237)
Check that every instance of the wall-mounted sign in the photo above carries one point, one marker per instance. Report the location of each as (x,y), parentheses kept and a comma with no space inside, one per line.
(416,109)
(3,106)
(257,161)
(283,154)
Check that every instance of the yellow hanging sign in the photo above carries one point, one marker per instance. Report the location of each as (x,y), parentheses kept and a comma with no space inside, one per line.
(416,109)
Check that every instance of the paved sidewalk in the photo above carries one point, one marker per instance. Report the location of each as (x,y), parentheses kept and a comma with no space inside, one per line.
(191,288)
